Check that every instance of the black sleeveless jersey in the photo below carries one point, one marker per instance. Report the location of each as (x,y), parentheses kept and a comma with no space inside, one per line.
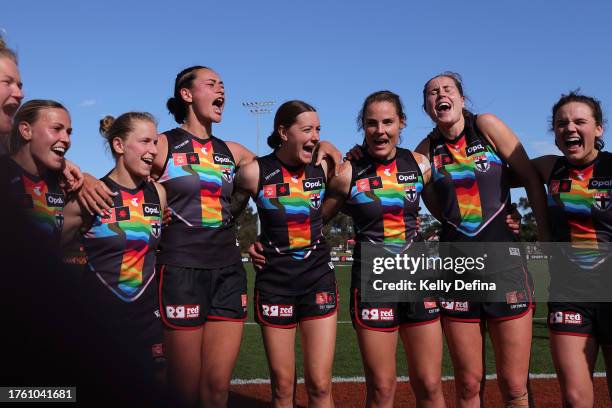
(41,197)
(384,199)
(580,208)
(120,247)
(289,207)
(471,184)
(198,177)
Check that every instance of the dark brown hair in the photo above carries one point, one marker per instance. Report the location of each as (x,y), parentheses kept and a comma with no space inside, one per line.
(6,52)
(593,103)
(458,83)
(381,96)
(184,79)
(285,116)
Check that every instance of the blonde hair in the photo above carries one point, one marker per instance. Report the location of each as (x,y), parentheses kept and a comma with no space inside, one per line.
(6,52)
(111,128)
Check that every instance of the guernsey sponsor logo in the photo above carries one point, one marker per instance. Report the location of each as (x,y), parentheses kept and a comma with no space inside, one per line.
(151,210)
(222,159)
(55,200)
(313,184)
(183,311)
(474,148)
(600,183)
(407,177)
(572,318)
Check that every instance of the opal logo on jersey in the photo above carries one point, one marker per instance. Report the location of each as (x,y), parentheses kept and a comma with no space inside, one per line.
(572,318)
(312,184)
(377,314)
(407,177)
(54,200)
(411,193)
(315,200)
(481,163)
(222,159)
(151,210)
(277,310)
(474,148)
(600,183)
(602,200)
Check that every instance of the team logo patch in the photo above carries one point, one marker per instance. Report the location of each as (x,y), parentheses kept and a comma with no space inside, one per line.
(222,159)
(315,200)
(407,177)
(560,186)
(602,200)
(367,184)
(377,314)
(115,215)
(59,219)
(441,160)
(193,158)
(156,228)
(322,298)
(276,190)
(277,310)
(157,350)
(151,210)
(481,163)
(448,305)
(228,174)
(462,306)
(555,318)
(411,193)
(54,200)
(312,184)
(553,188)
(179,159)
(134,201)
(430,303)
(183,311)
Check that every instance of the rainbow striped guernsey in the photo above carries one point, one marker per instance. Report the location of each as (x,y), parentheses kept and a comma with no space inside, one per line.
(121,246)
(41,197)
(289,206)
(470,180)
(579,201)
(198,177)
(384,202)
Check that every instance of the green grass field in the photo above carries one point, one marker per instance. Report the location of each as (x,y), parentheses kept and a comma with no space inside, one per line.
(252,360)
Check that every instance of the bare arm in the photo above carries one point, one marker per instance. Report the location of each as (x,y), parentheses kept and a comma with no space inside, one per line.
(428,194)
(73,221)
(160,158)
(511,150)
(337,191)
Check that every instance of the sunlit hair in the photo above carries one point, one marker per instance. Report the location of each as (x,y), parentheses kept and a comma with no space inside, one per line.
(285,116)
(184,79)
(6,52)
(29,113)
(591,102)
(110,128)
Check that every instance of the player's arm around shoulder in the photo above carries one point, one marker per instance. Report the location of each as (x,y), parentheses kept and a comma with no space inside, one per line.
(242,155)
(337,191)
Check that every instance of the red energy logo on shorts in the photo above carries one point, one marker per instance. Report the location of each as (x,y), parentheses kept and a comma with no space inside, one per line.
(572,318)
(462,306)
(429,303)
(377,314)
(277,310)
(183,311)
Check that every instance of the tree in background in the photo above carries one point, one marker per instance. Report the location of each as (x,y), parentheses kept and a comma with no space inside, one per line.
(247,228)
(339,230)
(529,230)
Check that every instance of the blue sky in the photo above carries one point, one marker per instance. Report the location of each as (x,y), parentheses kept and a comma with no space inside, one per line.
(516,58)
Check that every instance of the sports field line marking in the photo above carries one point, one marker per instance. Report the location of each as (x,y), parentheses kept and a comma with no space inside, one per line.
(361,379)
(535,319)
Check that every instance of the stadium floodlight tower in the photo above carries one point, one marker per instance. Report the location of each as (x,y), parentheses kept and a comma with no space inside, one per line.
(258,108)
